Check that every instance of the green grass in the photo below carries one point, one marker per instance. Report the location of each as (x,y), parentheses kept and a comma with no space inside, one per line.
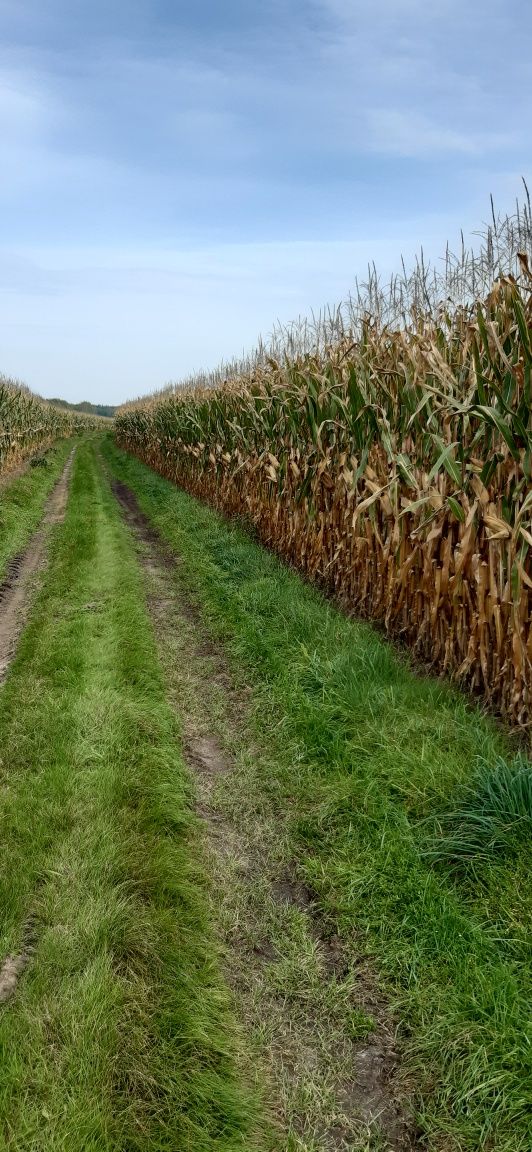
(22,501)
(120,1034)
(364,757)
(493,819)
(306,1015)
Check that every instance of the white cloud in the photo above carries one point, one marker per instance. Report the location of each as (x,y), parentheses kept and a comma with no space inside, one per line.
(402,133)
(27,113)
(108,324)
(130,165)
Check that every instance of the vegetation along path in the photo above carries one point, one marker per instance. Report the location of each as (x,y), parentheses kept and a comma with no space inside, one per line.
(262,887)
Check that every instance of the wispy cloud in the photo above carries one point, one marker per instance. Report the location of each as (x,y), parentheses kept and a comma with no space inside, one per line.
(411,134)
(236,161)
(120,321)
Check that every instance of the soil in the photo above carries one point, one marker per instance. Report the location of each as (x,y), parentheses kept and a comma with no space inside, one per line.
(10,972)
(14,966)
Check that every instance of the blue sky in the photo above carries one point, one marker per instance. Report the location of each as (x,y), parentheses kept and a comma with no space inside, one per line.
(176,177)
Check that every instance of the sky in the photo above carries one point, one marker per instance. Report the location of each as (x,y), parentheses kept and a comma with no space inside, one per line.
(176,177)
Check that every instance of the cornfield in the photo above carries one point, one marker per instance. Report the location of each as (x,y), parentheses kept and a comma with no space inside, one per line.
(386,452)
(28,423)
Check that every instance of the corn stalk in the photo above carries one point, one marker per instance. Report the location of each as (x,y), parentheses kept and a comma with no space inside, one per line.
(392,465)
(28,423)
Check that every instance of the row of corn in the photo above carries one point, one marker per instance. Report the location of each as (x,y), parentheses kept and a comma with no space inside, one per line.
(29,424)
(392,467)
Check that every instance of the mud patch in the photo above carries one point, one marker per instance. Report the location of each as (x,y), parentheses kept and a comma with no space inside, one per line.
(292,892)
(265,950)
(137,520)
(16,589)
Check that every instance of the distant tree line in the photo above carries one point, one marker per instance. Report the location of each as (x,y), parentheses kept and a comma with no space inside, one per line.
(85,406)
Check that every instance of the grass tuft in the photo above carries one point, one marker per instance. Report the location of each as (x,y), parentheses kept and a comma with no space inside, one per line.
(493,818)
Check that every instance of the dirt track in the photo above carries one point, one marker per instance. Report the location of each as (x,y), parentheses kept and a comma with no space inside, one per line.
(366,1092)
(16,590)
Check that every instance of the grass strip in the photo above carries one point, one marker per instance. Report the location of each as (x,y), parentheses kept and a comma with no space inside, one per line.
(368,757)
(22,501)
(120,1033)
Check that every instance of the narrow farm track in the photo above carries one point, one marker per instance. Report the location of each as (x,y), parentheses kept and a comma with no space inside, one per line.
(117,1032)
(219,929)
(349,764)
(18,585)
(327,1089)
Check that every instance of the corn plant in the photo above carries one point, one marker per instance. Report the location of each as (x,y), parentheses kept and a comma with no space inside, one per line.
(386,451)
(28,423)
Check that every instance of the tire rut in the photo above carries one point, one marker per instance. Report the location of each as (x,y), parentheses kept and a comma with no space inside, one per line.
(15,601)
(17,586)
(364,1103)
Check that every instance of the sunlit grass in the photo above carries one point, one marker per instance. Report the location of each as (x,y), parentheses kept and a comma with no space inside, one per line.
(362,753)
(120,1033)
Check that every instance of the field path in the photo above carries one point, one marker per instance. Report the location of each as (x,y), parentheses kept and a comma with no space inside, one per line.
(220,929)
(115,1031)
(17,588)
(326,1088)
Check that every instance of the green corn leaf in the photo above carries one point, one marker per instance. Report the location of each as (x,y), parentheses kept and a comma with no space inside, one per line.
(456,508)
(493,416)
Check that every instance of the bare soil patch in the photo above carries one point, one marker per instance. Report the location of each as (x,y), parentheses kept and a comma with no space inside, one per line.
(10,972)
(14,966)
(16,589)
(329,1090)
